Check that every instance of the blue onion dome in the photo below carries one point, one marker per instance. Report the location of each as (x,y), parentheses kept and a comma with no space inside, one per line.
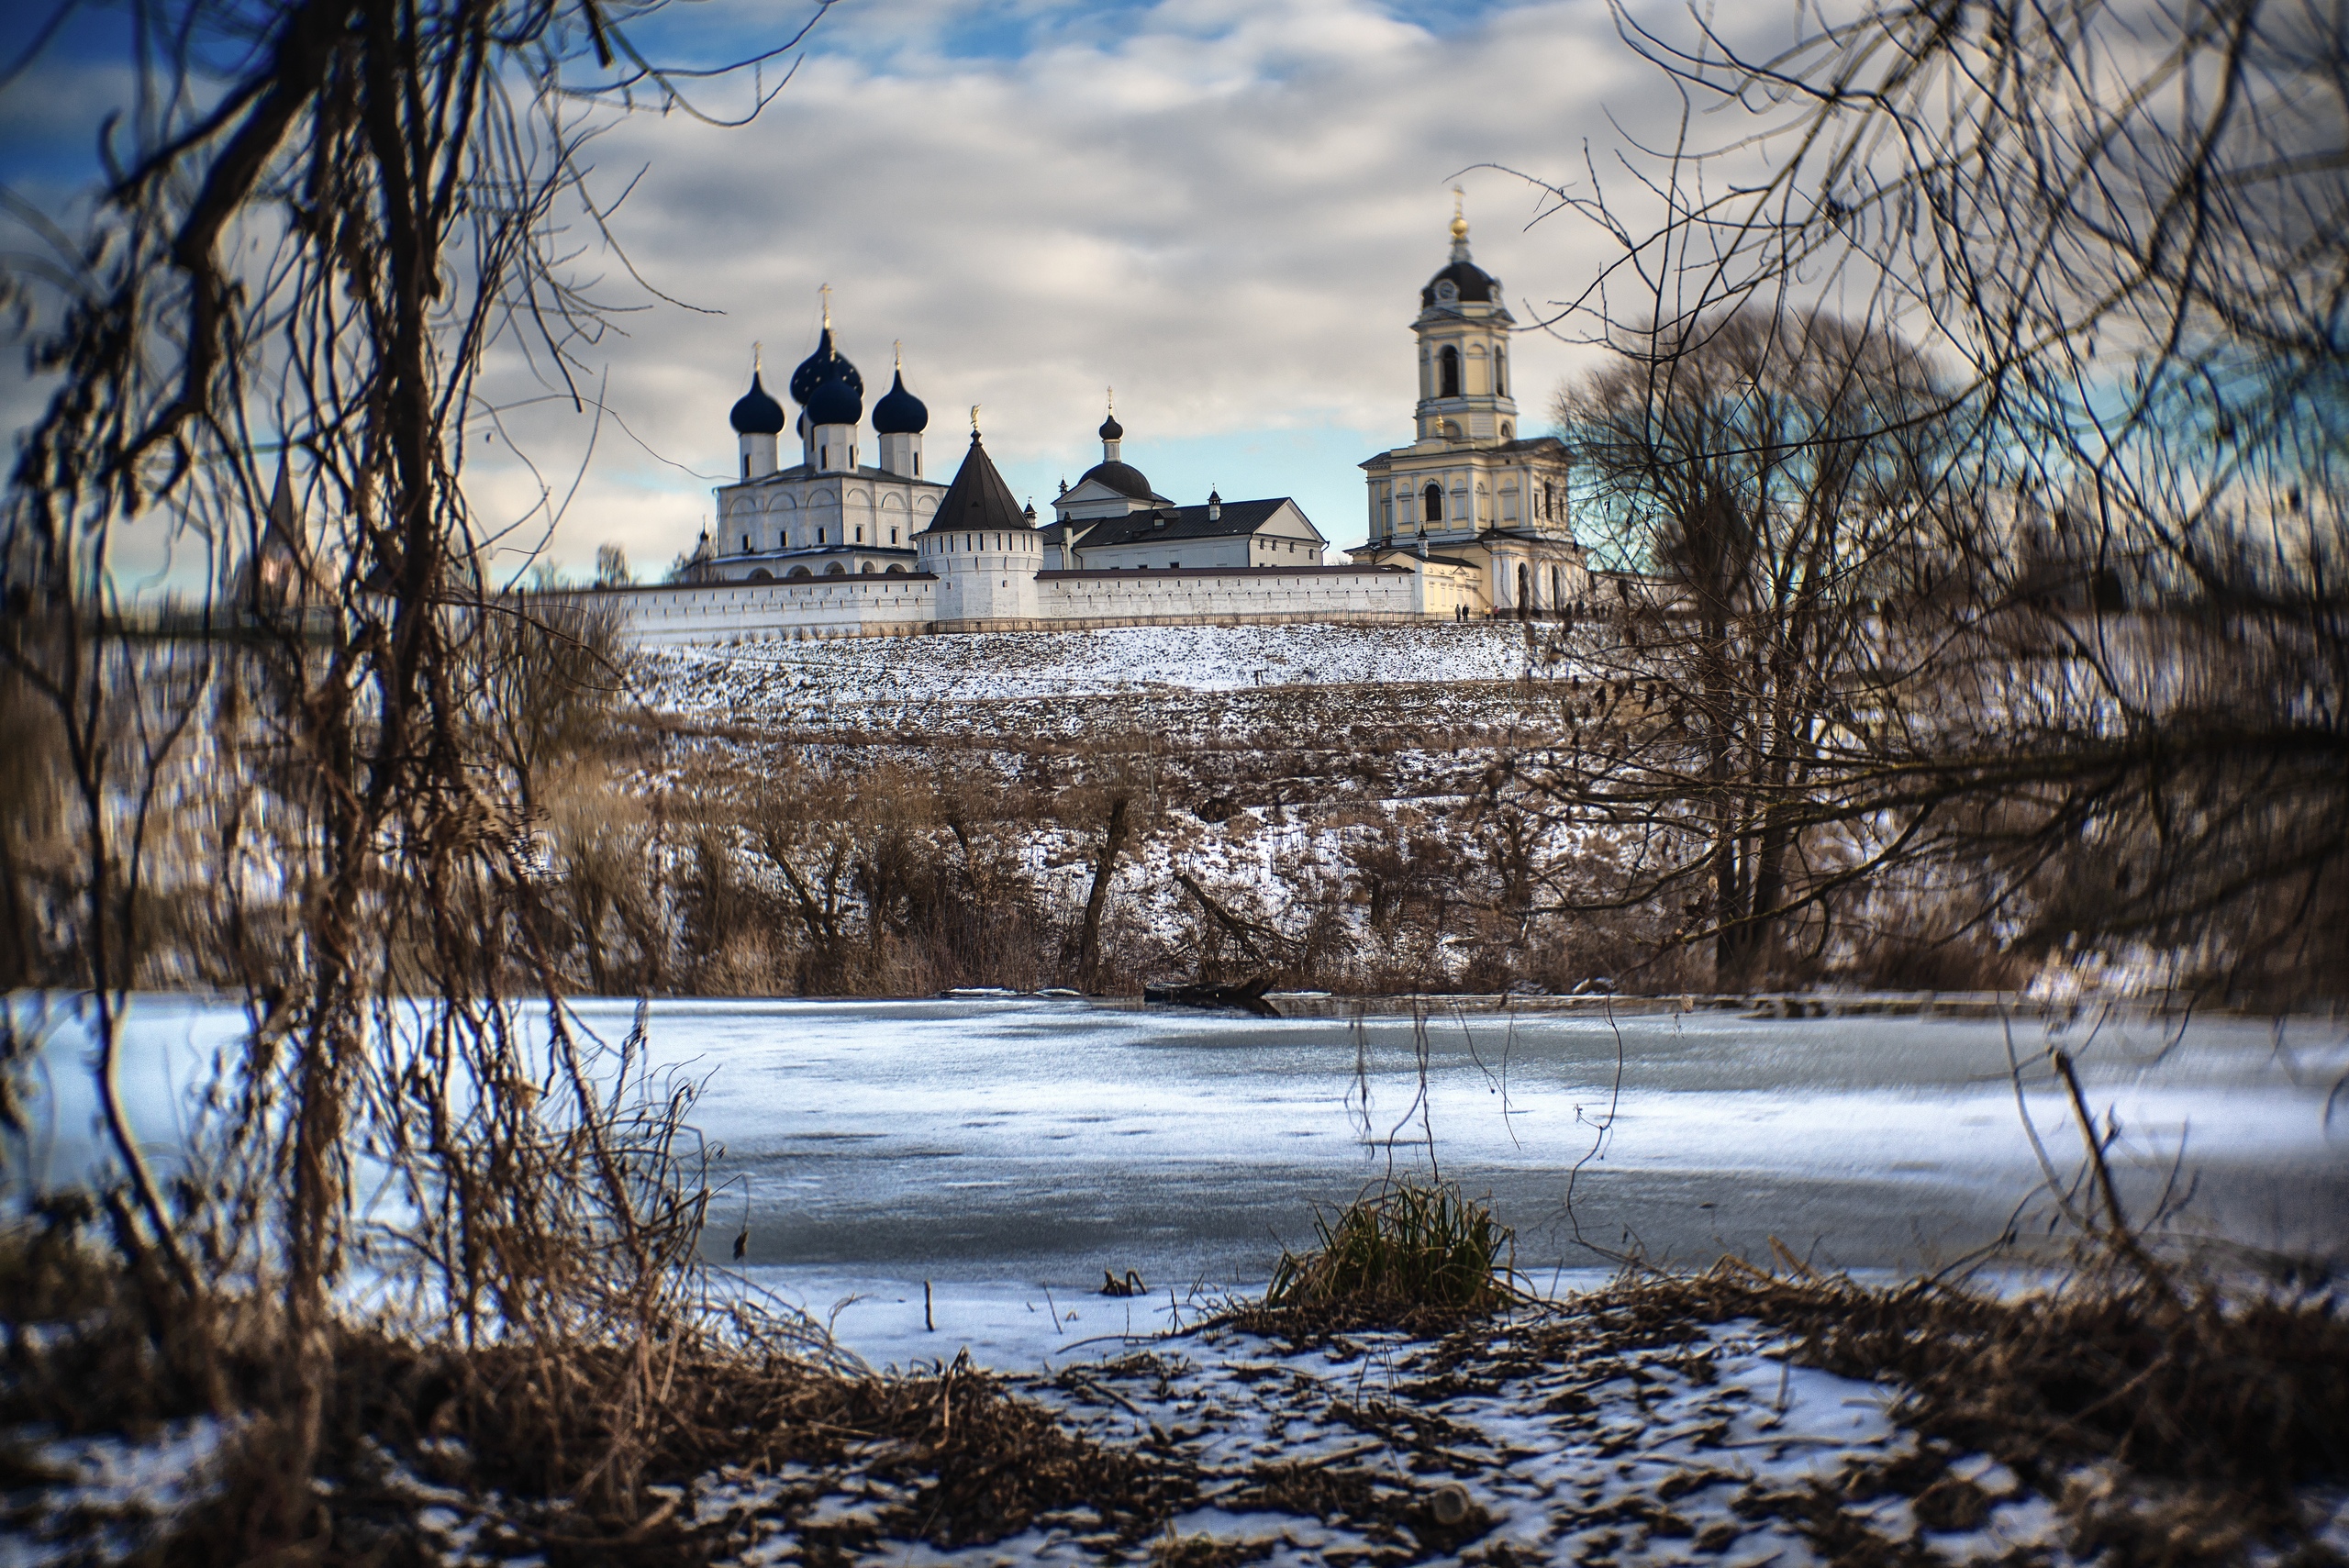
(838,399)
(757,414)
(826,364)
(899,412)
(1112,430)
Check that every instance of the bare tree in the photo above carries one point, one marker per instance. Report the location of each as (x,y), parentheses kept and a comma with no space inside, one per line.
(2124,232)
(1776,480)
(314,253)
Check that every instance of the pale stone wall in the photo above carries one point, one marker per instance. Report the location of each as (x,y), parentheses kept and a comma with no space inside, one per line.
(1326,593)
(671,615)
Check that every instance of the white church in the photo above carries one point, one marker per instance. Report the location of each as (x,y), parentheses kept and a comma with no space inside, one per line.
(859,538)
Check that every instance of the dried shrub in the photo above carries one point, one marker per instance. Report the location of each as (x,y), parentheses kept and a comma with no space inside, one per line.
(1410,1248)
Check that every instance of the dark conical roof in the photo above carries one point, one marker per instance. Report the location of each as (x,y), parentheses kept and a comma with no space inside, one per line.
(979,498)
(757,414)
(899,412)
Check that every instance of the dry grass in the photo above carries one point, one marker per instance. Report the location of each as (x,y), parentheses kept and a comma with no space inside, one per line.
(526,1433)
(2170,1421)
(1412,1253)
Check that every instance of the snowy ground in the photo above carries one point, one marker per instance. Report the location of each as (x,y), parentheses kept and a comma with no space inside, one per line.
(769,678)
(1377,1449)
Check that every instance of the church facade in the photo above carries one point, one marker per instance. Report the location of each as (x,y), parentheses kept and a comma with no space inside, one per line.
(1481,509)
(856,538)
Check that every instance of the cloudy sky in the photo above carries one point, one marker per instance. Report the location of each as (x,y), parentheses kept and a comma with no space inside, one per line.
(1222,208)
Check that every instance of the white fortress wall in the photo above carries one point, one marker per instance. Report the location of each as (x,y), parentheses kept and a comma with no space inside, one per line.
(1110,597)
(678,615)
(685,615)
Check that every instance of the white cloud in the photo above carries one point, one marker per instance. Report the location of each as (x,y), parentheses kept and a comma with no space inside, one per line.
(1225,209)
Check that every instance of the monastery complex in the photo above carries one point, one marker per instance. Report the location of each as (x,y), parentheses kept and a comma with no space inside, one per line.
(858,538)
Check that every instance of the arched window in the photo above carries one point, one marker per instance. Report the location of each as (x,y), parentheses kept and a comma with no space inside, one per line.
(866,569)
(1434,501)
(1448,364)
(796,574)
(835,570)
(762,575)
(1500,372)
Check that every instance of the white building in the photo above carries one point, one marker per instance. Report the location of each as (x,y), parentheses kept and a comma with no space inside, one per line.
(1468,520)
(831,514)
(1112,520)
(1484,506)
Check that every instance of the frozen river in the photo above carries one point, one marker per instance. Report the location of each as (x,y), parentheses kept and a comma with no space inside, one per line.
(998,1148)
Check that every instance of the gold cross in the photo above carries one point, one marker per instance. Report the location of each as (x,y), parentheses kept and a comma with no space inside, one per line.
(757,356)
(826,290)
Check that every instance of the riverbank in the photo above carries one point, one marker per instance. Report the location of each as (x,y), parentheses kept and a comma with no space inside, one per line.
(1733,1417)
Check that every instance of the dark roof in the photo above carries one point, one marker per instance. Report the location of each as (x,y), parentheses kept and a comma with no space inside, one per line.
(1139,574)
(1397,547)
(1112,430)
(1123,477)
(899,412)
(1181,522)
(1472,282)
(1524,444)
(979,498)
(756,413)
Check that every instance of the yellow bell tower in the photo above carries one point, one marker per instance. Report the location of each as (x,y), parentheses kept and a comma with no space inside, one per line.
(1464,332)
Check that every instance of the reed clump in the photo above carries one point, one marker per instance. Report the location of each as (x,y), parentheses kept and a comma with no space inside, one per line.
(1412,1249)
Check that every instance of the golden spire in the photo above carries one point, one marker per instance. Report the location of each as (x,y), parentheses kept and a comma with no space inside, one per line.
(826,290)
(975,421)
(1459,219)
(897,354)
(1111,394)
(758,356)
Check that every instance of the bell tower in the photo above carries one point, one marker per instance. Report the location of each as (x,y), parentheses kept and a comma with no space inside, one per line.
(1464,332)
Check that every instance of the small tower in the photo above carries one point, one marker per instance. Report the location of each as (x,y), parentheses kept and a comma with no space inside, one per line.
(1464,331)
(757,419)
(984,549)
(1113,435)
(830,395)
(899,419)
